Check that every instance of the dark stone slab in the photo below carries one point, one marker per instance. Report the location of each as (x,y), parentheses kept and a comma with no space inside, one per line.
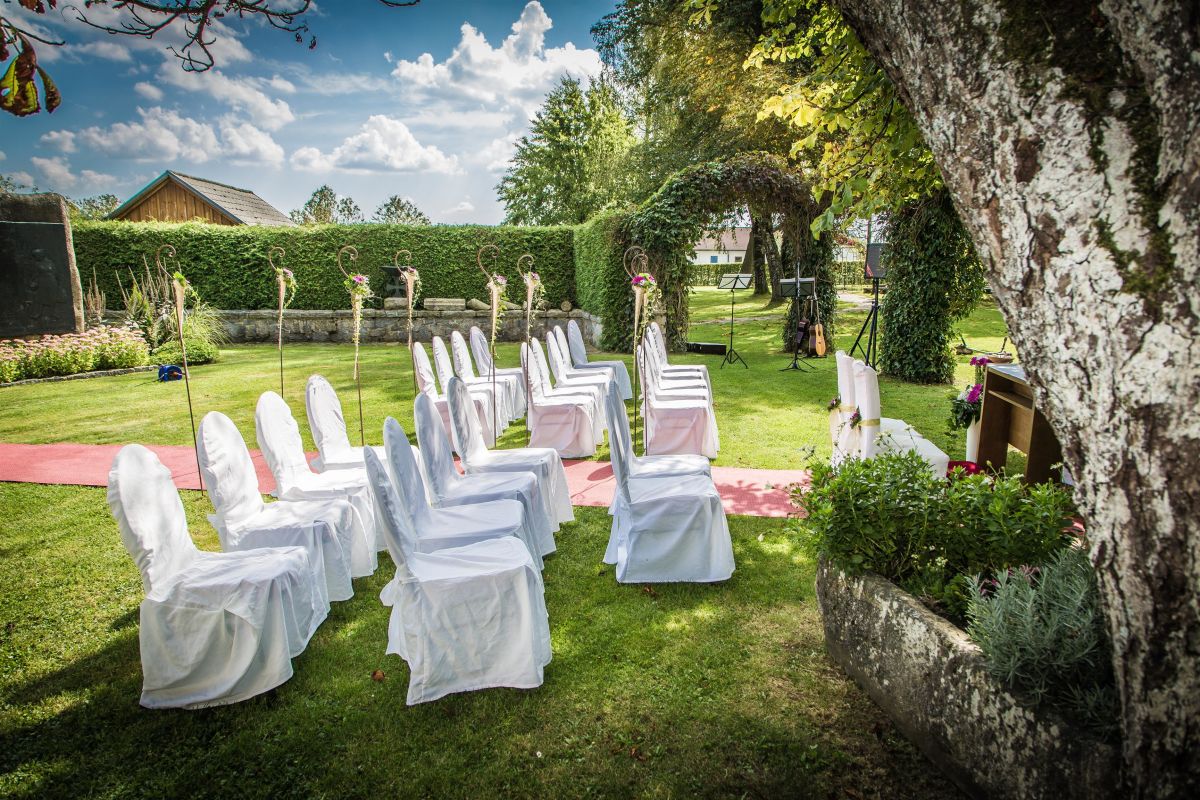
(39,284)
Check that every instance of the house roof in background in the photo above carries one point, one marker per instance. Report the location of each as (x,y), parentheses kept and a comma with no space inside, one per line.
(736,240)
(241,205)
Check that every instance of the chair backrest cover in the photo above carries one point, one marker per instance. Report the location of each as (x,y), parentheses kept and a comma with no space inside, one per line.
(435,447)
(656,339)
(426,382)
(325,418)
(398,533)
(279,440)
(481,350)
(614,409)
(407,474)
(464,422)
(575,342)
(866,386)
(441,360)
(564,348)
(539,361)
(557,362)
(620,436)
(649,373)
(462,356)
(229,474)
(539,383)
(144,501)
(845,369)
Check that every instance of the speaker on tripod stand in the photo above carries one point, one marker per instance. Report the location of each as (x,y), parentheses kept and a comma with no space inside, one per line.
(875,270)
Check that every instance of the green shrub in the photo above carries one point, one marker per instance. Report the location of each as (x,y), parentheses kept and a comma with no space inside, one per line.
(48,356)
(228,266)
(199,351)
(1042,634)
(601,285)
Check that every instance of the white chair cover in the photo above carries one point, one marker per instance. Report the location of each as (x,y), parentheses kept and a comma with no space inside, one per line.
(665,528)
(328,427)
(649,466)
(594,395)
(325,528)
(478,388)
(448,488)
(658,340)
(426,385)
(846,438)
(675,385)
(464,618)
(872,441)
(279,440)
(541,461)
(566,376)
(564,424)
(579,358)
(483,360)
(512,393)
(677,426)
(214,628)
(454,526)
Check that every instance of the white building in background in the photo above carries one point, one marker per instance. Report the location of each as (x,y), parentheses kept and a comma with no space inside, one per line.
(729,249)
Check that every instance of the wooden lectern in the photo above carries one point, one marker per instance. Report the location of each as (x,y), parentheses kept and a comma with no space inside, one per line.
(1008,417)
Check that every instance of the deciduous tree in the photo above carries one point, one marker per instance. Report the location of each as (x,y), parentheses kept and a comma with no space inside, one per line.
(397,210)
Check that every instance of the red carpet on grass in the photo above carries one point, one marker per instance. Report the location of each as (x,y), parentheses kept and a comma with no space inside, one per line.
(756,492)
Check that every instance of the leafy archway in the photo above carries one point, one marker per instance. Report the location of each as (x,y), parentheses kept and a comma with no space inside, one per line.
(698,199)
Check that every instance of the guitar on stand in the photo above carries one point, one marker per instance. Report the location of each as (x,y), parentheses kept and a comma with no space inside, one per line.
(800,289)
(818,333)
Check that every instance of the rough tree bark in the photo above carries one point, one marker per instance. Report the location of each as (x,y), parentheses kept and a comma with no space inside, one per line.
(1069,136)
(755,256)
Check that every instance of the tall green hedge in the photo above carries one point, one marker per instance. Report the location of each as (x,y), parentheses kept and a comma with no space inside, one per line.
(228,265)
(601,285)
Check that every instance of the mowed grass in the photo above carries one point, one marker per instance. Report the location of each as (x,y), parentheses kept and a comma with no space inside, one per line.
(671,691)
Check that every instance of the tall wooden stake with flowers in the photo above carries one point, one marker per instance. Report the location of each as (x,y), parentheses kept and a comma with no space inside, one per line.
(180,285)
(359,287)
(497,284)
(535,292)
(412,288)
(287,290)
(635,262)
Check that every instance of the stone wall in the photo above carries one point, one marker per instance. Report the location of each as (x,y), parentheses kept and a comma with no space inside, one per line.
(390,326)
(932,680)
(39,285)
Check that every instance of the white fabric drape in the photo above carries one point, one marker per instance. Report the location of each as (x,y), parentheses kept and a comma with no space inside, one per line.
(872,440)
(477,387)
(426,385)
(564,424)
(541,461)
(569,378)
(509,388)
(328,427)
(448,487)
(676,425)
(512,375)
(846,438)
(278,438)
(658,341)
(214,628)
(325,528)
(594,395)
(665,529)
(650,466)
(579,358)
(463,618)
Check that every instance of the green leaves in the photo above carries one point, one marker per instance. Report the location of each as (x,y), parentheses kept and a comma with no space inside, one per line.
(18,89)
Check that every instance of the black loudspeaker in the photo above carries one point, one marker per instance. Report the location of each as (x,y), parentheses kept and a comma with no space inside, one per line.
(877,258)
(707,348)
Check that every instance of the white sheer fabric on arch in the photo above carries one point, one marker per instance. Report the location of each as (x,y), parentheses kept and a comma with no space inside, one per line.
(511,392)
(564,424)
(448,487)
(579,358)
(451,526)
(478,388)
(426,385)
(214,628)
(481,349)
(328,427)
(325,528)
(278,438)
(463,618)
(541,461)
(665,529)
(676,425)
(872,440)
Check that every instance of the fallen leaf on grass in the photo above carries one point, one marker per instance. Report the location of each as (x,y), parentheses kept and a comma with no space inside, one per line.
(378,676)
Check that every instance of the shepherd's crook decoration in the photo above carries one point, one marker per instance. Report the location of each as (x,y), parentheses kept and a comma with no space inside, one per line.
(533,289)
(359,288)
(495,285)
(412,285)
(179,283)
(287,290)
(636,260)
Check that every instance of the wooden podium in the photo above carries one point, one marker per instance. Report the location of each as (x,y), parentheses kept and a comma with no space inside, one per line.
(1009,418)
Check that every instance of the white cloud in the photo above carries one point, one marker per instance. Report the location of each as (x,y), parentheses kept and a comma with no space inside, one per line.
(281,84)
(57,172)
(160,135)
(246,143)
(382,144)
(462,207)
(496,155)
(63,141)
(149,91)
(23,178)
(239,93)
(2,156)
(387,56)
(110,50)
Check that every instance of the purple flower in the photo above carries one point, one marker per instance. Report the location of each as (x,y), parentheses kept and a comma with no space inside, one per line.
(359,279)
(287,273)
(973,395)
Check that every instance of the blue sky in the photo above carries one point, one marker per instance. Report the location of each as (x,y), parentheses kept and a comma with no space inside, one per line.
(424,102)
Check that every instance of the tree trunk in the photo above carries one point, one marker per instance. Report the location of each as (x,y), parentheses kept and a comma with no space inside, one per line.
(770,250)
(1069,137)
(754,255)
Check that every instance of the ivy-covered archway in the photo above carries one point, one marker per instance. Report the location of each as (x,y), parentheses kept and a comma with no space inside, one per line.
(699,198)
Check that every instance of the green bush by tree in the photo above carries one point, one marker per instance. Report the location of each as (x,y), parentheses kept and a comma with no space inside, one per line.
(601,285)
(228,264)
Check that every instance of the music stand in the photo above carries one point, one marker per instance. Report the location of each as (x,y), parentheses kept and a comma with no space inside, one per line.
(733,281)
(874,270)
(798,289)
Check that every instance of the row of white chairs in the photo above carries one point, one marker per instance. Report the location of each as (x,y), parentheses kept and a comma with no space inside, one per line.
(677,402)
(858,392)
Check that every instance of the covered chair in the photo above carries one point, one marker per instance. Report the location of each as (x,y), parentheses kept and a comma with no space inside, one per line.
(676,425)
(278,438)
(660,466)
(541,461)
(214,628)
(674,383)
(658,341)
(873,440)
(579,359)
(463,618)
(328,427)
(497,400)
(448,488)
(564,424)
(426,384)
(452,526)
(846,438)
(568,377)
(665,529)
(594,394)
(325,528)
(482,352)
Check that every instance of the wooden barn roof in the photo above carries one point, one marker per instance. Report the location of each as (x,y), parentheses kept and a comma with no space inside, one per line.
(241,205)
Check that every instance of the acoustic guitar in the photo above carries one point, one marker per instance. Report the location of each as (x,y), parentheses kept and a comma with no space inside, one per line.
(818,332)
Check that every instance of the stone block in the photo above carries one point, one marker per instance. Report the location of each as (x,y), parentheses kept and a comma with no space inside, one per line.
(444,304)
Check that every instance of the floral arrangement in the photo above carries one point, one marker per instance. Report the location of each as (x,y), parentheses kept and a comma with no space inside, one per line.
(99,348)
(497,288)
(535,297)
(647,296)
(833,404)
(967,407)
(412,288)
(287,286)
(855,418)
(359,287)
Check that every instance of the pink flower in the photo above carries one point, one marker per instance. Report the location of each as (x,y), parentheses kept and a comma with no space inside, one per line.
(359,279)
(976,391)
